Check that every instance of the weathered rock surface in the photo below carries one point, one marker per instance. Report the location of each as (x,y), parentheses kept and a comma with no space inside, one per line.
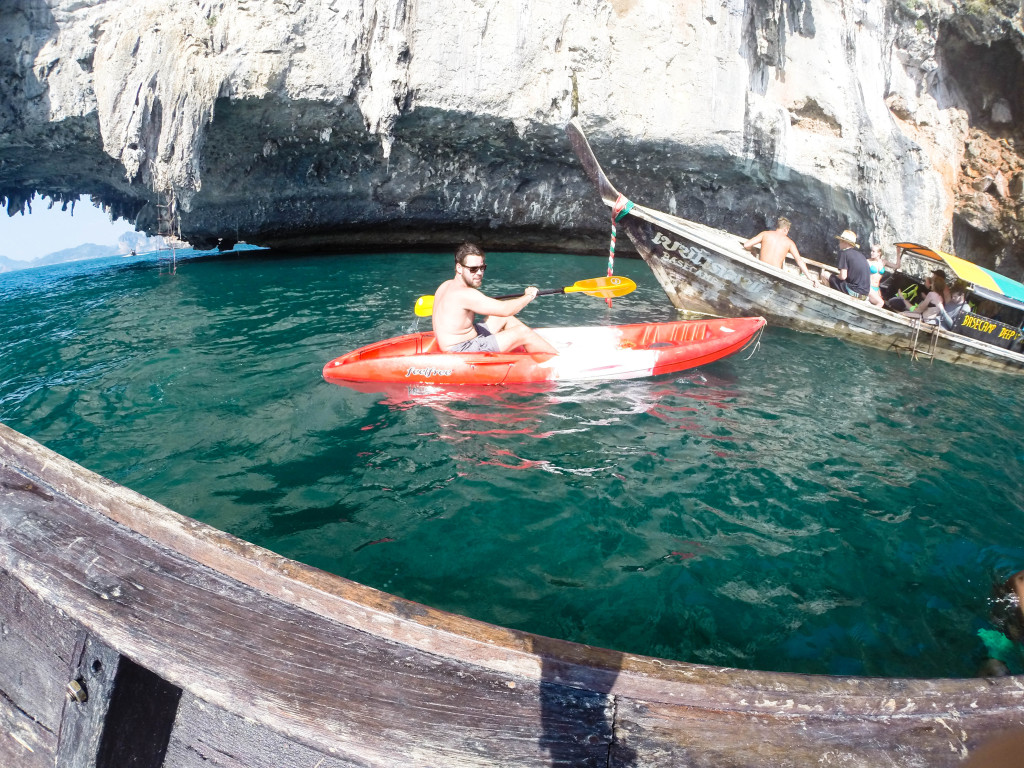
(343,124)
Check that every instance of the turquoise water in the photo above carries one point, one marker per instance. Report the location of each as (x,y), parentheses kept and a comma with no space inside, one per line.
(818,507)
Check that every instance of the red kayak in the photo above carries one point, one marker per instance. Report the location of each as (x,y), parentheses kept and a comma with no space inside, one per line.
(587,353)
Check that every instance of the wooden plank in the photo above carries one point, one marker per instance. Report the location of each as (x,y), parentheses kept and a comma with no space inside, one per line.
(206,736)
(701,738)
(94,668)
(36,645)
(24,743)
(313,680)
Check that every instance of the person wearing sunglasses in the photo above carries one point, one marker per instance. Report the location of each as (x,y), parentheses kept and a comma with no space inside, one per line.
(458,301)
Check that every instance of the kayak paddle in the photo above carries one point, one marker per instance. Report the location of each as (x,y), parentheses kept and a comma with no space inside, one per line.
(602,287)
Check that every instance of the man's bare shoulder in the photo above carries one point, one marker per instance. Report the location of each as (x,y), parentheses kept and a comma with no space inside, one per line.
(780,239)
(456,294)
(755,240)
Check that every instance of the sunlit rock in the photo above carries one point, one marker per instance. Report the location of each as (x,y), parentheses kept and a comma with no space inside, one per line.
(337,124)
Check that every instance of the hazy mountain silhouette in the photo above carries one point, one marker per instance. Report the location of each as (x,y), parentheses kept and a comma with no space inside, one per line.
(128,242)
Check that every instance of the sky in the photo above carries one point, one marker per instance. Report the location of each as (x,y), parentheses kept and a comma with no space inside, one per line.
(26,237)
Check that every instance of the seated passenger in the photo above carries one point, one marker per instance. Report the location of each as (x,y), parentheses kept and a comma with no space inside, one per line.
(934,311)
(876,265)
(854,277)
(937,295)
(950,312)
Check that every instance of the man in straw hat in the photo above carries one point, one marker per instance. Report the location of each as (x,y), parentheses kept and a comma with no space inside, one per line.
(854,276)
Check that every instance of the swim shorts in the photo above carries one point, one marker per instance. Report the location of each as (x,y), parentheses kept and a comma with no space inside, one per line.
(484,341)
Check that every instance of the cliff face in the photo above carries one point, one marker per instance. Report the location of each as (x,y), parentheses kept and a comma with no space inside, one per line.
(343,124)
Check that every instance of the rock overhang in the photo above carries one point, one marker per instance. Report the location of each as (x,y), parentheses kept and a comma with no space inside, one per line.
(271,144)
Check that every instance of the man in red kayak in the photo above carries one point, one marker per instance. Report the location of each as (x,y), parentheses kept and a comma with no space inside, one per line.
(458,301)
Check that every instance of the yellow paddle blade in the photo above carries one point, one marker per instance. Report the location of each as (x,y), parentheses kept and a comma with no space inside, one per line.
(603,287)
(424,306)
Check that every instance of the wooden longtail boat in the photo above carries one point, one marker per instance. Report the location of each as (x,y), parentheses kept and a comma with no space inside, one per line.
(130,635)
(707,270)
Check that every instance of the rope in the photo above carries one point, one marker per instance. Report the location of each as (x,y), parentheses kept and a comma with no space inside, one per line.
(757,343)
(620,210)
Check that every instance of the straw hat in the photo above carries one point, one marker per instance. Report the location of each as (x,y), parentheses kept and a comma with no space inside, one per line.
(848,237)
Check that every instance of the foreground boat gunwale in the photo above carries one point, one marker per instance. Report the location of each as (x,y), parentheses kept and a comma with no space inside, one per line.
(658,694)
(335,596)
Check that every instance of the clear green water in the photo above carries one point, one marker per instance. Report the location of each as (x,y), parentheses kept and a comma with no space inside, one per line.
(817,508)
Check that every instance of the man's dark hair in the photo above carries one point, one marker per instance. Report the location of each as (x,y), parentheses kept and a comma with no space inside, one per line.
(468,249)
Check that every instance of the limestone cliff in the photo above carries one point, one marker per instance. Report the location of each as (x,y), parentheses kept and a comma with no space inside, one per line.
(348,124)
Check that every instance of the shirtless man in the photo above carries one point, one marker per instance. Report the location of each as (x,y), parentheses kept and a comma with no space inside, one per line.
(775,245)
(459,300)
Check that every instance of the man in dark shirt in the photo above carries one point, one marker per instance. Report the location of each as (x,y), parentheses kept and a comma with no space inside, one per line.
(854,277)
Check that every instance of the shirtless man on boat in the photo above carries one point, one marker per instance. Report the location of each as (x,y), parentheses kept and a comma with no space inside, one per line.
(776,245)
(458,301)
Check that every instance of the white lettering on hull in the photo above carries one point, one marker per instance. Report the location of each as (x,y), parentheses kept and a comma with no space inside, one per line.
(428,372)
(691,259)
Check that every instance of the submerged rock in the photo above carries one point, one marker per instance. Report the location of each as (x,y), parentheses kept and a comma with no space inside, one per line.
(331,124)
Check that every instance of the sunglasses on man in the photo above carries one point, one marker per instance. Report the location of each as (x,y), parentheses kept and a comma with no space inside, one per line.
(474,270)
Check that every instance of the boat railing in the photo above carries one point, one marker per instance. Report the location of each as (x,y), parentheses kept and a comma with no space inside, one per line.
(129,630)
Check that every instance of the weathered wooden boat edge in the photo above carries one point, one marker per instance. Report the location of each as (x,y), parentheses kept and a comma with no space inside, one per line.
(654,701)
(852,319)
(748,286)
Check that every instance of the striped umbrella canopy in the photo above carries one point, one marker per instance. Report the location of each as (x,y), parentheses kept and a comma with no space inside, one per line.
(987,284)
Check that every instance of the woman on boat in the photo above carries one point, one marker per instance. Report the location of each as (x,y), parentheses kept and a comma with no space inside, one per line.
(876,265)
(938,294)
(943,305)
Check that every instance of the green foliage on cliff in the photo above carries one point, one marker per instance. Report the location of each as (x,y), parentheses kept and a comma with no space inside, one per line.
(996,10)
(983,10)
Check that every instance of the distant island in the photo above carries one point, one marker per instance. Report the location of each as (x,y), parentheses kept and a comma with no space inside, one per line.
(128,242)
